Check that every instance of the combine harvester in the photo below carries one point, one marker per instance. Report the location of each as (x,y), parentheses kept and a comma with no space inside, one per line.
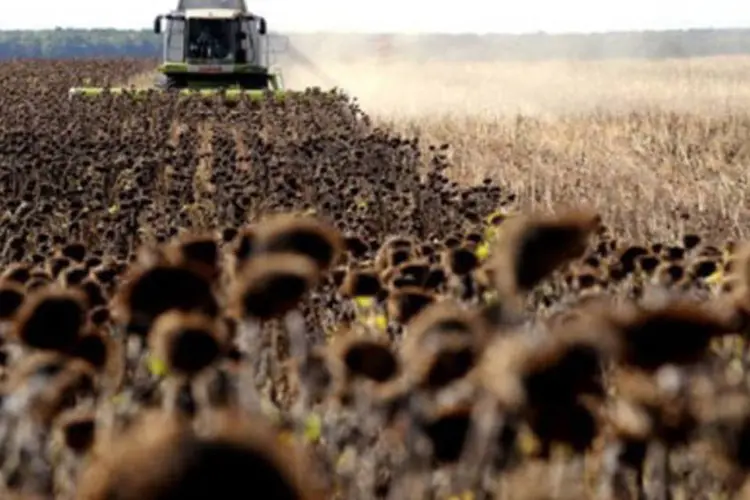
(210,47)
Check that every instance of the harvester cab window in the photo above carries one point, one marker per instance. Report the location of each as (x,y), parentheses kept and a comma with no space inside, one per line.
(209,39)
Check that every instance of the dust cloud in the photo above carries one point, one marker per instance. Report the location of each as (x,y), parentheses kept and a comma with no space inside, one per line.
(396,76)
(450,82)
(396,88)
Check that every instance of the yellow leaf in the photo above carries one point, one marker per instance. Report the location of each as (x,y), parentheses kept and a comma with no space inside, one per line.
(715,278)
(482,251)
(114,209)
(528,443)
(157,367)
(378,322)
(313,426)
(364,302)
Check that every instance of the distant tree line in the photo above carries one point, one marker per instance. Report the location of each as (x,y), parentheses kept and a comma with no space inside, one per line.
(78,43)
(70,43)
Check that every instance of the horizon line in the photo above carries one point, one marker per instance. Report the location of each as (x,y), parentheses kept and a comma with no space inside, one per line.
(411,33)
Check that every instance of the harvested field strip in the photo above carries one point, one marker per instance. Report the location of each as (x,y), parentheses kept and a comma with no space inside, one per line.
(642,169)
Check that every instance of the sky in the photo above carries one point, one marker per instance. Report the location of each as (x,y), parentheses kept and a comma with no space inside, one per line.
(404,16)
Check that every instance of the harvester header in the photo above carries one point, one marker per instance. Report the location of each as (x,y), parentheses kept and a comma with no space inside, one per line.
(211,46)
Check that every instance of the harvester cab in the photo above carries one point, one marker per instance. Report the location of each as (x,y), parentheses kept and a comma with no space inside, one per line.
(215,44)
(209,46)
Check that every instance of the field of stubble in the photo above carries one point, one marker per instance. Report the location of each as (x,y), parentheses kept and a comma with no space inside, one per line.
(487,281)
(642,141)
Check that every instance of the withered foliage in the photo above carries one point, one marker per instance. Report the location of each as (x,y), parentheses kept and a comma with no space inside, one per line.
(277,298)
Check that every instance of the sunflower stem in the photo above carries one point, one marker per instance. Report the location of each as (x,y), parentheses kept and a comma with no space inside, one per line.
(479,444)
(249,342)
(612,484)
(413,483)
(294,324)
